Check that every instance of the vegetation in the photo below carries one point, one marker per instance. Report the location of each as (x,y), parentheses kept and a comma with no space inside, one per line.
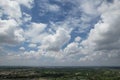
(61,73)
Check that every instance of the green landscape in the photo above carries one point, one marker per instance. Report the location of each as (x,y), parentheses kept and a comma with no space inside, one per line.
(59,73)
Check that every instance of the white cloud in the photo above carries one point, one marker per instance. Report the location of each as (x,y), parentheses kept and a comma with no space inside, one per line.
(45,6)
(53,8)
(22,48)
(72,48)
(105,37)
(56,41)
(35,32)
(10,20)
(31,54)
(77,39)
(10,9)
(32,45)
(26,18)
(9,33)
(57,55)
(90,7)
(105,34)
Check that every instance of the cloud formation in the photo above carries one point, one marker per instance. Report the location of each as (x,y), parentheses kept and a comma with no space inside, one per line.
(104,38)
(60,32)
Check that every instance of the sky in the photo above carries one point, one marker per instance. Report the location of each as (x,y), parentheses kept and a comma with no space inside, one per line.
(60,32)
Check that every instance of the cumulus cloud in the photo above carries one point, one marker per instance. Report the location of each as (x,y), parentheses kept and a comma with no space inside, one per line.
(10,21)
(104,38)
(9,33)
(72,48)
(77,39)
(10,9)
(53,8)
(56,41)
(89,7)
(32,45)
(105,34)
(26,18)
(46,7)
(33,33)
(22,48)
(30,54)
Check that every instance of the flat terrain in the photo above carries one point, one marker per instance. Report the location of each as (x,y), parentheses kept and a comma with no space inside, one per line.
(59,73)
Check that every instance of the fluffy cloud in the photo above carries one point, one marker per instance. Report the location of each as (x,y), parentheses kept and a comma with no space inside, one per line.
(32,45)
(9,33)
(89,7)
(105,35)
(77,39)
(10,9)
(53,8)
(10,21)
(46,7)
(34,32)
(26,18)
(56,41)
(104,38)
(22,48)
(30,54)
(72,48)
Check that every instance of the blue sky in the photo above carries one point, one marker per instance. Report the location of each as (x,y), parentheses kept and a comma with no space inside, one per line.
(59,32)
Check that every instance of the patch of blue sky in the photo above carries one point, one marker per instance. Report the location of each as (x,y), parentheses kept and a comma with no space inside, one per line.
(25,9)
(4,17)
(12,48)
(40,14)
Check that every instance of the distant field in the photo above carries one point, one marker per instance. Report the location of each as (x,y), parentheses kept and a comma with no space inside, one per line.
(60,73)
